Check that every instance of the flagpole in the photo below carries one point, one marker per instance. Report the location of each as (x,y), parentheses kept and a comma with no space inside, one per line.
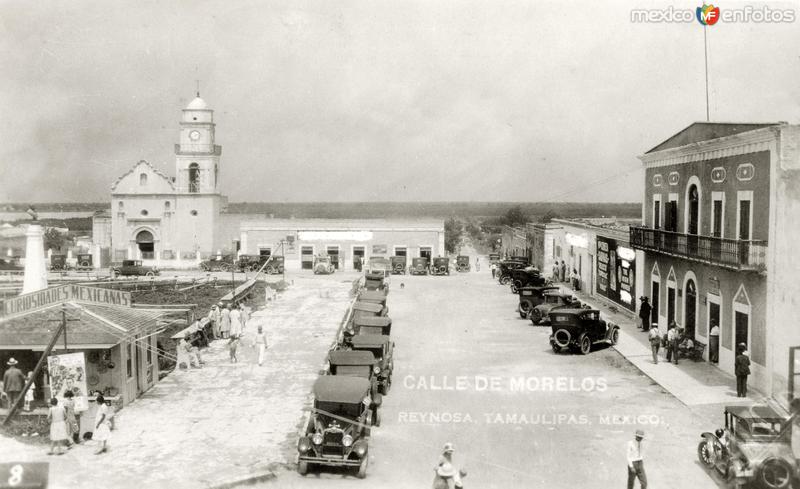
(705,49)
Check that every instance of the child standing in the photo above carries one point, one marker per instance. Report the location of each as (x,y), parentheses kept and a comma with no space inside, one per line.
(30,394)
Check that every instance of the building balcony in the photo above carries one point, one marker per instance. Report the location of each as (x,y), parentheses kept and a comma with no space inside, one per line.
(728,253)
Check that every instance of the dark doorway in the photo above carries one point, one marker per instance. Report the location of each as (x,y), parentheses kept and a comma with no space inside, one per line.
(744,231)
(400,251)
(266,252)
(194,178)
(690,303)
(144,240)
(717,231)
(713,316)
(307,257)
(358,257)
(425,252)
(654,302)
(694,210)
(333,252)
(741,319)
(656,214)
(670,305)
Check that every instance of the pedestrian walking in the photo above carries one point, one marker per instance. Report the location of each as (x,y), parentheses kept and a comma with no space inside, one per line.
(672,343)
(57,418)
(13,382)
(713,336)
(636,461)
(102,424)
(563,271)
(445,474)
(233,346)
(214,318)
(644,313)
(742,370)
(31,393)
(655,342)
(493,267)
(245,316)
(555,271)
(73,426)
(260,343)
(225,325)
(576,280)
(477,264)
(236,322)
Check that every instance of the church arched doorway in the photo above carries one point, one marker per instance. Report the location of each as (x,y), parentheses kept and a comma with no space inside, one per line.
(690,305)
(146,244)
(194,178)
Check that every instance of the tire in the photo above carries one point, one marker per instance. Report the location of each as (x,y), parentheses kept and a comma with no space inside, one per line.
(514,289)
(703,456)
(504,280)
(362,469)
(150,274)
(615,336)
(376,420)
(269,271)
(585,344)
(225,267)
(562,338)
(524,308)
(302,468)
(555,347)
(775,473)
(85,263)
(536,316)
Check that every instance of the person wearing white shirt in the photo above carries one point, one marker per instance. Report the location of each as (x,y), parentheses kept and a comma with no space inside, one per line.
(636,461)
(713,336)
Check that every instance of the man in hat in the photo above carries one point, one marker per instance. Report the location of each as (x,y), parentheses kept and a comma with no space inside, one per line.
(214,318)
(447,477)
(644,312)
(13,382)
(742,370)
(636,461)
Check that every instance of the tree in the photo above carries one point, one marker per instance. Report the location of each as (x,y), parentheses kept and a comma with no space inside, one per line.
(515,217)
(549,216)
(53,240)
(452,234)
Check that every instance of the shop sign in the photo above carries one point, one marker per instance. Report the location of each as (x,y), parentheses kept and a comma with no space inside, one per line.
(378,249)
(63,293)
(67,372)
(616,273)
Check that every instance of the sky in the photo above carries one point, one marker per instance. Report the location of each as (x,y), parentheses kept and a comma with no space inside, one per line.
(373,100)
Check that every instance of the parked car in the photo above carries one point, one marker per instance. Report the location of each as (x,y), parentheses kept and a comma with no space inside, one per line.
(337,432)
(84,261)
(58,262)
(504,270)
(323,265)
(419,266)
(223,263)
(134,268)
(382,347)
(441,266)
(248,262)
(529,297)
(375,281)
(551,301)
(376,296)
(379,264)
(528,276)
(494,257)
(361,364)
(369,309)
(580,329)
(756,448)
(462,263)
(399,265)
(10,264)
(378,325)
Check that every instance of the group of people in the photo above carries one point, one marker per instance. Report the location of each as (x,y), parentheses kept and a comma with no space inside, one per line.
(65,425)
(13,383)
(560,274)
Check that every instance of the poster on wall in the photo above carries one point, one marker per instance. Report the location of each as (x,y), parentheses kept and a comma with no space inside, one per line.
(68,372)
(616,272)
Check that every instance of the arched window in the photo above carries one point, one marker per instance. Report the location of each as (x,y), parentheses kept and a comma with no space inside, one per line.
(194,178)
(142,179)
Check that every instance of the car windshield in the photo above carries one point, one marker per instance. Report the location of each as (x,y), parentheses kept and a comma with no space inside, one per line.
(551,299)
(559,318)
(351,411)
(353,370)
(591,316)
(378,351)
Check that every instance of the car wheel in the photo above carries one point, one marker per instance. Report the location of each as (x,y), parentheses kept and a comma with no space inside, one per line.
(555,347)
(703,454)
(225,268)
(585,344)
(362,469)
(504,280)
(775,473)
(270,270)
(524,308)
(536,316)
(562,338)
(150,274)
(615,336)
(302,468)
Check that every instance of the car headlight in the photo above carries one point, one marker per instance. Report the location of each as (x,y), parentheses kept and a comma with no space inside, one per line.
(376,369)
(304,445)
(347,440)
(317,438)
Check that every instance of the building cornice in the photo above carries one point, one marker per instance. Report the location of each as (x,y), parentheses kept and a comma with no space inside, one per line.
(737,144)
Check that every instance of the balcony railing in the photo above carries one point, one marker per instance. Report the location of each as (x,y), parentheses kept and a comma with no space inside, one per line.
(729,253)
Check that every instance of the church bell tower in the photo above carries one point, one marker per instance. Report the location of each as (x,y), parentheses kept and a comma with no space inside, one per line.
(196,155)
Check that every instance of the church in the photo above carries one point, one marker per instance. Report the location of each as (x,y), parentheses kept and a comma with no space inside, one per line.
(175,222)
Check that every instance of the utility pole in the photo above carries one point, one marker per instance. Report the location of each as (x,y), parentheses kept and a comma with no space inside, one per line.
(283,255)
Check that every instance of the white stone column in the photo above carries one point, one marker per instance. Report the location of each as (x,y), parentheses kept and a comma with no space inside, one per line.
(35,270)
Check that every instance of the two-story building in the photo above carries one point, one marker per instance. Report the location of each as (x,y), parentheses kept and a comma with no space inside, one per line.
(717,200)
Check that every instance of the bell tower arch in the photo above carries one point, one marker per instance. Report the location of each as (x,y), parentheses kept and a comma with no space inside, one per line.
(196,155)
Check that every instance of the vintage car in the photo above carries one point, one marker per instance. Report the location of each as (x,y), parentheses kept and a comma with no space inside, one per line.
(580,329)
(379,264)
(529,297)
(337,432)
(462,263)
(399,265)
(379,325)
(362,364)
(133,268)
(369,309)
(494,257)
(419,266)
(84,261)
(504,270)
(375,281)
(58,262)
(224,263)
(441,266)
(10,264)
(528,276)
(248,262)
(755,447)
(323,265)
(274,265)
(376,296)
(552,300)
(382,347)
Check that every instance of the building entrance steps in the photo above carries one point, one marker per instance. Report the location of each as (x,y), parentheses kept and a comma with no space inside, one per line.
(692,383)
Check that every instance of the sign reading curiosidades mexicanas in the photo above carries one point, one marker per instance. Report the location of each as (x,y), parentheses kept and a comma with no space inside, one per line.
(63,293)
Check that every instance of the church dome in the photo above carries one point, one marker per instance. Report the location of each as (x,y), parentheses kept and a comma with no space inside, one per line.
(197,104)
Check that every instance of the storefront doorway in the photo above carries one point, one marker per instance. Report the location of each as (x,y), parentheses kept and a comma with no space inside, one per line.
(146,244)
(307,257)
(654,302)
(670,305)
(358,257)
(690,308)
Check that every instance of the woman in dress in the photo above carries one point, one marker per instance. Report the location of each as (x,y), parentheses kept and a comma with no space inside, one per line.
(31,392)
(260,342)
(102,425)
(72,421)
(58,427)
(225,325)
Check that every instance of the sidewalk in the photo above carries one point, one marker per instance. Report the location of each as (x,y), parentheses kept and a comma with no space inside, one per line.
(692,383)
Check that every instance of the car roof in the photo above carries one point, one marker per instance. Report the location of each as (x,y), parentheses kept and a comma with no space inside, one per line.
(756,412)
(367,306)
(336,388)
(372,321)
(573,311)
(374,275)
(369,340)
(543,288)
(351,357)
(372,295)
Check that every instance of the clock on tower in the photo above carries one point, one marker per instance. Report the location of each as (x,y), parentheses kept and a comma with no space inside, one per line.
(196,155)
